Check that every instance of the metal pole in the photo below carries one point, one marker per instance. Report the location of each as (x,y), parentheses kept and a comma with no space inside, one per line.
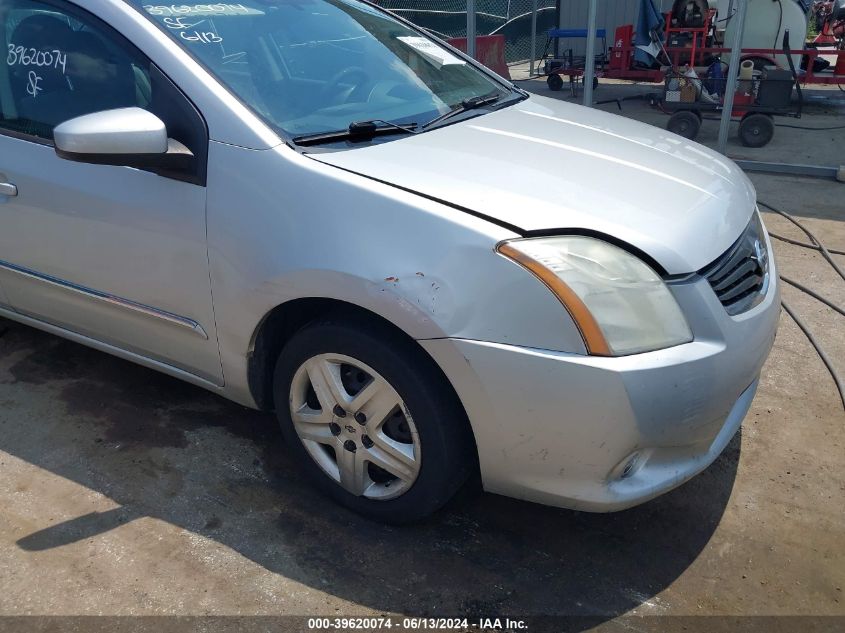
(471,28)
(590,55)
(558,25)
(533,37)
(733,72)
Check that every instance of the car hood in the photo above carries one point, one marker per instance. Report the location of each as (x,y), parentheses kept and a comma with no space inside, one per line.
(543,165)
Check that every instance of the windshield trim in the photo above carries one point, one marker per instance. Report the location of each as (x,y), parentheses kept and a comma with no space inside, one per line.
(285,136)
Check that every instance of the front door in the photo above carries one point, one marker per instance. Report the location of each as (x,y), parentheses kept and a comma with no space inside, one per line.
(113,253)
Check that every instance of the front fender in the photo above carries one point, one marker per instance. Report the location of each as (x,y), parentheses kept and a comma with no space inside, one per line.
(284,227)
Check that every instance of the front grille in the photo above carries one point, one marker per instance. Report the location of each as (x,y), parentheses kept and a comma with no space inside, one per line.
(740,277)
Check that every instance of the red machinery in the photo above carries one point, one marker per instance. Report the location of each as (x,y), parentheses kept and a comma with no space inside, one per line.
(829,16)
(698,46)
(622,52)
(830,24)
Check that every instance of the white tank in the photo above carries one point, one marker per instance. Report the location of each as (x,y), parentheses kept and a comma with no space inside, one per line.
(765,23)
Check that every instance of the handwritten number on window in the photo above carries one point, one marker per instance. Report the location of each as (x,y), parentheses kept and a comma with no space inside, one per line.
(23,56)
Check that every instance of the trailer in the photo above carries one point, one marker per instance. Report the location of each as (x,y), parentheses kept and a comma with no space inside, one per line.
(758,97)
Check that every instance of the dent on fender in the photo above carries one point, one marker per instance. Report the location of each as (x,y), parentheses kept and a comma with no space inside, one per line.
(431,295)
(420,305)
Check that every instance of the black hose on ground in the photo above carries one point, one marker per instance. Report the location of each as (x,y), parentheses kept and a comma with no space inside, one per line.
(818,246)
(811,129)
(819,351)
(813,238)
(814,295)
(789,240)
(796,127)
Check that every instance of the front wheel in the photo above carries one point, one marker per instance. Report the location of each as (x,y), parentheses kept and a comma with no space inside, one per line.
(371,420)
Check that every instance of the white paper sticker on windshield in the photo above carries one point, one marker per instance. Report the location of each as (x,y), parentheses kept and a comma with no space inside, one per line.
(434,53)
(169,10)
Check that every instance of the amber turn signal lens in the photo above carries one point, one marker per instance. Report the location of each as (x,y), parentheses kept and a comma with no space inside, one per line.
(594,339)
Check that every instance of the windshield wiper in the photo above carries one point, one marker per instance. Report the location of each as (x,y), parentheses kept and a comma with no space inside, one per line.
(366,130)
(357,131)
(467,104)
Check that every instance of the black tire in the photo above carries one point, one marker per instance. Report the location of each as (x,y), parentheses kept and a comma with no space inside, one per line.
(448,454)
(684,123)
(554,82)
(756,129)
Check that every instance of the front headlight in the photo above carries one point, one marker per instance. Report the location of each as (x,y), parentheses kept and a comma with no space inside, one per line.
(620,305)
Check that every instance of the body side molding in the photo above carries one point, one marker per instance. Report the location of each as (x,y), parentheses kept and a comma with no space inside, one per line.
(126,304)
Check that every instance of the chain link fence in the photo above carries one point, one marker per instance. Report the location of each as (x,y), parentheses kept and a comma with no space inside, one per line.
(511,18)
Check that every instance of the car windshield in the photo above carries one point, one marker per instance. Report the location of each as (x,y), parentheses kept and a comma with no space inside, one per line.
(314,66)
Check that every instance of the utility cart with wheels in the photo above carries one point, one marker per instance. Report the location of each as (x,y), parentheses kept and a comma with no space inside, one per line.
(759,96)
(571,65)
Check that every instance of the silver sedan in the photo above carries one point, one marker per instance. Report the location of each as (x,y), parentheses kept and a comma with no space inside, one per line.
(313,207)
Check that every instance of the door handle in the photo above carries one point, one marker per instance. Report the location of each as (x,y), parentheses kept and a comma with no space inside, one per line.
(8,189)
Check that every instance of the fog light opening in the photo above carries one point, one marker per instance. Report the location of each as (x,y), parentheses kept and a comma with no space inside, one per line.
(630,466)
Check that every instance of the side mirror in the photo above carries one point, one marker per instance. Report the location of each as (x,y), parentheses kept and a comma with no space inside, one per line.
(128,137)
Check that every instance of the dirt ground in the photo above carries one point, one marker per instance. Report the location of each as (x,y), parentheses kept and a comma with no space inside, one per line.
(125,492)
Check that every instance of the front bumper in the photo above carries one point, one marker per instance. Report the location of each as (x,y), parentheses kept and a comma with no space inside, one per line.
(604,434)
